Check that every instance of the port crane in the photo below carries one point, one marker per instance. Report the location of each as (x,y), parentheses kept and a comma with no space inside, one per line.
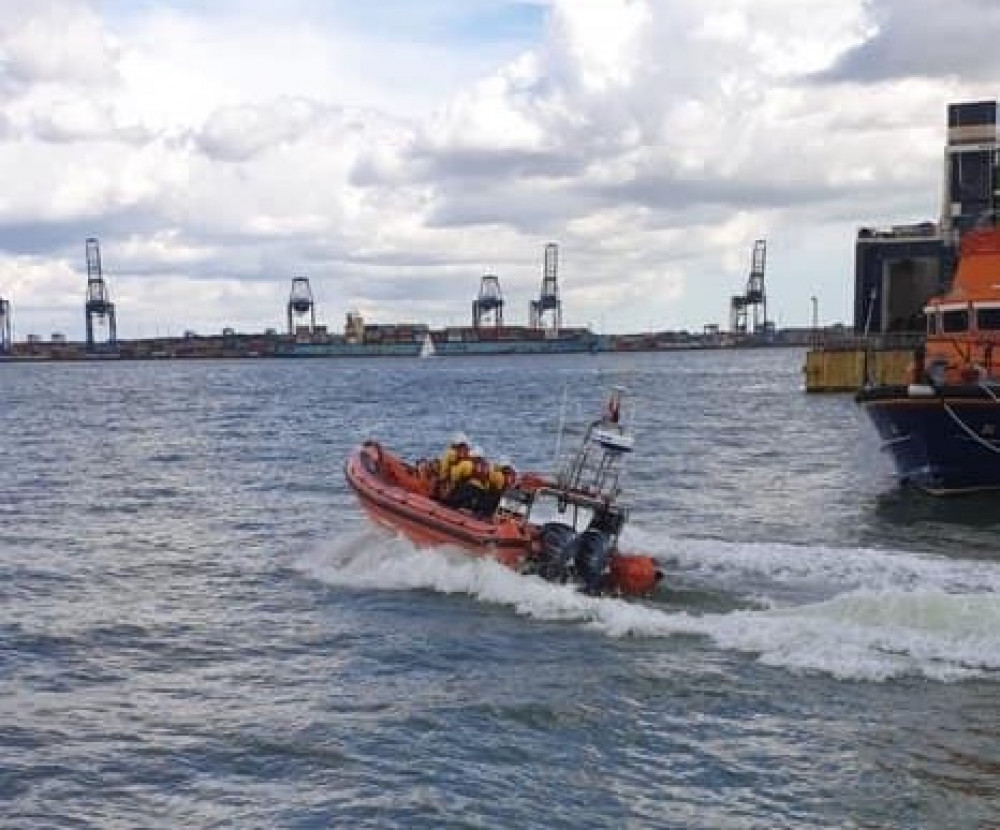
(748,311)
(548,302)
(488,306)
(300,303)
(98,306)
(6,328)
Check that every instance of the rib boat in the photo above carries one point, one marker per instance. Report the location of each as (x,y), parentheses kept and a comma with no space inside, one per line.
(563,528)
(942,428)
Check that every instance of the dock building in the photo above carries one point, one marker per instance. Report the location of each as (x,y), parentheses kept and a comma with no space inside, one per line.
(898,268)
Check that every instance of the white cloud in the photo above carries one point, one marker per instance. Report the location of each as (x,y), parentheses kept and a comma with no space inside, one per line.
(218,154)
(237,133)
(55,41)
(602,40)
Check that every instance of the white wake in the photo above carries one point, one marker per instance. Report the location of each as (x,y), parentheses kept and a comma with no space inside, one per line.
(852,613)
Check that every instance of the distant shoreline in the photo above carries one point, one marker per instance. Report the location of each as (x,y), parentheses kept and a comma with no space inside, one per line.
(128,356)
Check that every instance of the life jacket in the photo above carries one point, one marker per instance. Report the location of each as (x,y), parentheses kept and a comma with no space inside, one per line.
(461,471)
(497,479)
(452,455)
(479,476)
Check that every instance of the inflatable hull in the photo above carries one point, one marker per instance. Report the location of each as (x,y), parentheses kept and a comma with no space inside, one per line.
(396,495)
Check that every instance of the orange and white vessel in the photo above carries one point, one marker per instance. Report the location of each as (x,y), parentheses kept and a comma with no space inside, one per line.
(942,428)
(564,528)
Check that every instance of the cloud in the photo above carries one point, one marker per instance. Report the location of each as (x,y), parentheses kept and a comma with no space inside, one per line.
(394,157)
(55,41)
(237,133)
(922,39)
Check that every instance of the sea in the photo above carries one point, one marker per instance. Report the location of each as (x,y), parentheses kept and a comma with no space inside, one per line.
(200,629)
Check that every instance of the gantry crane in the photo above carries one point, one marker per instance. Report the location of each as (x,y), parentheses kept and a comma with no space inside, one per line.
(488,306)
(548,299)
(748,311)
(98,305)
(6,327)
(300,303)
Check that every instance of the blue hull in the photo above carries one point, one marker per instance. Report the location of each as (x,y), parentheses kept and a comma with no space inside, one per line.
(946,441)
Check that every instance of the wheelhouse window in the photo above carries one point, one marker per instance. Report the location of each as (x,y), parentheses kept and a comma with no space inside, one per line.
(988,319)
(955,321)
(932,322)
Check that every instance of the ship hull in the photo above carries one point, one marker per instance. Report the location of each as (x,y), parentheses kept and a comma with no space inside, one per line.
(577,344)
(347,350)
(942,440)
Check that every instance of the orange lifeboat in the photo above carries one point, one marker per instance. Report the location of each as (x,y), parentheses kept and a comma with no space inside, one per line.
(963,325)
(564,530)
(942,427)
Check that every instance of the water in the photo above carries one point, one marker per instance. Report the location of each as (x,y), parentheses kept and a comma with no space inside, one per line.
(199,629)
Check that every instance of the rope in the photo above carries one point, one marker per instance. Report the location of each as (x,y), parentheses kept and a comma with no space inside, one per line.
(985,387)
(967,430)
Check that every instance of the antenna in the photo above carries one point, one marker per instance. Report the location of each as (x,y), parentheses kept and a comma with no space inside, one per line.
(562,424)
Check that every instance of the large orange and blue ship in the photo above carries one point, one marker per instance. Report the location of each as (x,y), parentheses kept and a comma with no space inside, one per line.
(942,428)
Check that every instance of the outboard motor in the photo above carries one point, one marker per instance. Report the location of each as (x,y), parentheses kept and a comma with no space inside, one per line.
(592,557)
(555,561)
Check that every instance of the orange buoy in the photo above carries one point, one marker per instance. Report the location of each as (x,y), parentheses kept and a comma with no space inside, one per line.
(635,574)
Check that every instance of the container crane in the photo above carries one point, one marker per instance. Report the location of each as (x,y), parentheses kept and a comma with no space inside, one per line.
(748,311)
(488,306)
(98,305)
(548,302)
(6,327)
(300,303)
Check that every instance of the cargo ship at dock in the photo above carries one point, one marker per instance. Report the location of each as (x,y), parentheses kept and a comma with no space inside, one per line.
(397,340)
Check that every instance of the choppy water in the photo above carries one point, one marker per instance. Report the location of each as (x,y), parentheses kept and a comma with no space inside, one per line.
(199,629)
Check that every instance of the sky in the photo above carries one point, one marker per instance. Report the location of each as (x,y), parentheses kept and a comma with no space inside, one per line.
(394,152)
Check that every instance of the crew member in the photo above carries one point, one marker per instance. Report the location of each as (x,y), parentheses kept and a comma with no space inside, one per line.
(469,480)
(458,450)
(496,482)
(502,478)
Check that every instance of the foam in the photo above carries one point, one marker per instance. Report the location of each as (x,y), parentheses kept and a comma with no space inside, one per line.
(815,566)
(850,613)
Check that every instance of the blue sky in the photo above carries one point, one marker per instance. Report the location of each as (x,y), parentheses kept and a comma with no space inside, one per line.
(394,152)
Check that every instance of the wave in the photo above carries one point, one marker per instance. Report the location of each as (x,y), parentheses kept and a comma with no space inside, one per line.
(859,614)
(823,569)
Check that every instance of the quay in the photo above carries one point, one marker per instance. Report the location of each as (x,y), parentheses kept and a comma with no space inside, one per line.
(846,366)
